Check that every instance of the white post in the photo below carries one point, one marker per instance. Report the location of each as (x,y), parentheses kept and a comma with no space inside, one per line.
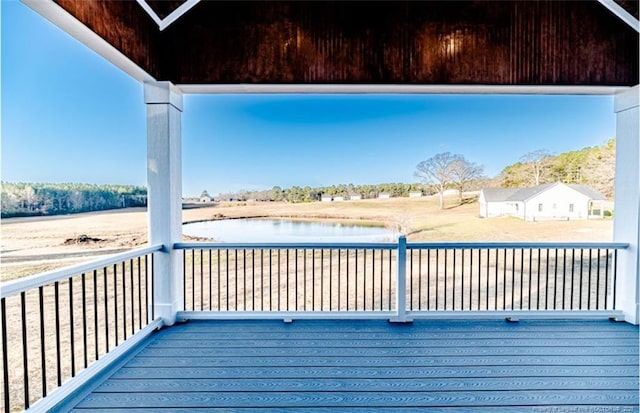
(164,175)
(401,283)
(626,226)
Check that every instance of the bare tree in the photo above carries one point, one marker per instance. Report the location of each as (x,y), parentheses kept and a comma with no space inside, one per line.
(464,173)
(437,172)
(538,163)
(600,168)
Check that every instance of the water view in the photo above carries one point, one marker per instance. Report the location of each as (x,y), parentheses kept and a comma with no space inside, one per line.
(283,230)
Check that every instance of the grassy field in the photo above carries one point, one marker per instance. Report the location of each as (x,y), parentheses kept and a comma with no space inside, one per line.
(32,245)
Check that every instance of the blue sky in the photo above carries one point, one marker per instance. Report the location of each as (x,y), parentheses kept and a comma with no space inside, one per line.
(70,116)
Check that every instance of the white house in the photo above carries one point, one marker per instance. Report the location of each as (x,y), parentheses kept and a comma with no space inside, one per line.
(205,197)
(355,197)
(338,198)
(384,195)
(415,194)
(326,198)
(542,202)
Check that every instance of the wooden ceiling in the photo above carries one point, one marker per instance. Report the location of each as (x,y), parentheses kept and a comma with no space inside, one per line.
(537,42)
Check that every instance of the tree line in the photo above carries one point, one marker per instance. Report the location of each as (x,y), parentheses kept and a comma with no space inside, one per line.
(297,194)
(29,199)
(438,173)
(593,166)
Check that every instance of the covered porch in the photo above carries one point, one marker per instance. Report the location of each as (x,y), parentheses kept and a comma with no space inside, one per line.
(182,326)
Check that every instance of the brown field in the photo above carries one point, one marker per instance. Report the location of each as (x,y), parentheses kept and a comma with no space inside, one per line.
(32,245)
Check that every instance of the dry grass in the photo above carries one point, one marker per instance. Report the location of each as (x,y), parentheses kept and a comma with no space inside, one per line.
(39,244)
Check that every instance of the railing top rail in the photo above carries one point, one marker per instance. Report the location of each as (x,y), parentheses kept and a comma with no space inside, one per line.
(394,245)
(285,246)
(517,245)
(13,287)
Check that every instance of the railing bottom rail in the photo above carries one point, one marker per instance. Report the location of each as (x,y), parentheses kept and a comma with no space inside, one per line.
(515,315)
(409,316)
(284,315)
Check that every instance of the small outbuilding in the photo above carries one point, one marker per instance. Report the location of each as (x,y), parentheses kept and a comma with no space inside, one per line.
(415,194)
(543,202)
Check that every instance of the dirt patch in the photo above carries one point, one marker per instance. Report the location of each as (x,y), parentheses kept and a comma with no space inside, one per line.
(83,239)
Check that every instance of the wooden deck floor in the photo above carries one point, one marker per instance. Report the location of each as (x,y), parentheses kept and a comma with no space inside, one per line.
(374,366)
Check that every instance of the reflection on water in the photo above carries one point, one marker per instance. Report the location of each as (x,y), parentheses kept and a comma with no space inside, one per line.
(282,230)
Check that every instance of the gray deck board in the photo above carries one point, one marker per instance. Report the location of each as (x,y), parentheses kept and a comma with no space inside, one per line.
(356,399)
(382,362)
(368,385)
(371,365)
(310,351)
(390,373)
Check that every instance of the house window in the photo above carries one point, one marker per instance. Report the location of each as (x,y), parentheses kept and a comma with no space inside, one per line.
(570,207)
(539,207)
(554,206)
(517,207)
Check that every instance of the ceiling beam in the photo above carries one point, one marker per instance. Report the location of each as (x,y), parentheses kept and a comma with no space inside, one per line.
(72,26)
(397,89)
(154,16)
(172,17)
(624,15)
(177,13)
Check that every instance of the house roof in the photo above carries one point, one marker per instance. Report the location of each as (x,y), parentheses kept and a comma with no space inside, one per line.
(590,192)
(498,194)
(524,194)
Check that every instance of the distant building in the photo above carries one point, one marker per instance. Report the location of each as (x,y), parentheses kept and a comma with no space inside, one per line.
(205,197)
(355,197)
(543,202)
(415,194)
(384,195)
(326,198)
(338,198)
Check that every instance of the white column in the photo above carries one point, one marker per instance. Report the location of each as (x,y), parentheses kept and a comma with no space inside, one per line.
(626,226)
(164,175)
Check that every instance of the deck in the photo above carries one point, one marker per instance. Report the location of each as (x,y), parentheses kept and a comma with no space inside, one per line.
(372,365)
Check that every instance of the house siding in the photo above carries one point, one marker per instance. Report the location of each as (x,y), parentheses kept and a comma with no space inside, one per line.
(556,203)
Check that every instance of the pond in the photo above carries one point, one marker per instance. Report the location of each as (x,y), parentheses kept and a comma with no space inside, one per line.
(283,230)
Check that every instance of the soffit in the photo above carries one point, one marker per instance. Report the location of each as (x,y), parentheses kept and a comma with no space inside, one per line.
(521,43)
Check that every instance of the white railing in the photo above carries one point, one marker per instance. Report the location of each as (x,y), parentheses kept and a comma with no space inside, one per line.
(59,323)
(399,280)
(273,280)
